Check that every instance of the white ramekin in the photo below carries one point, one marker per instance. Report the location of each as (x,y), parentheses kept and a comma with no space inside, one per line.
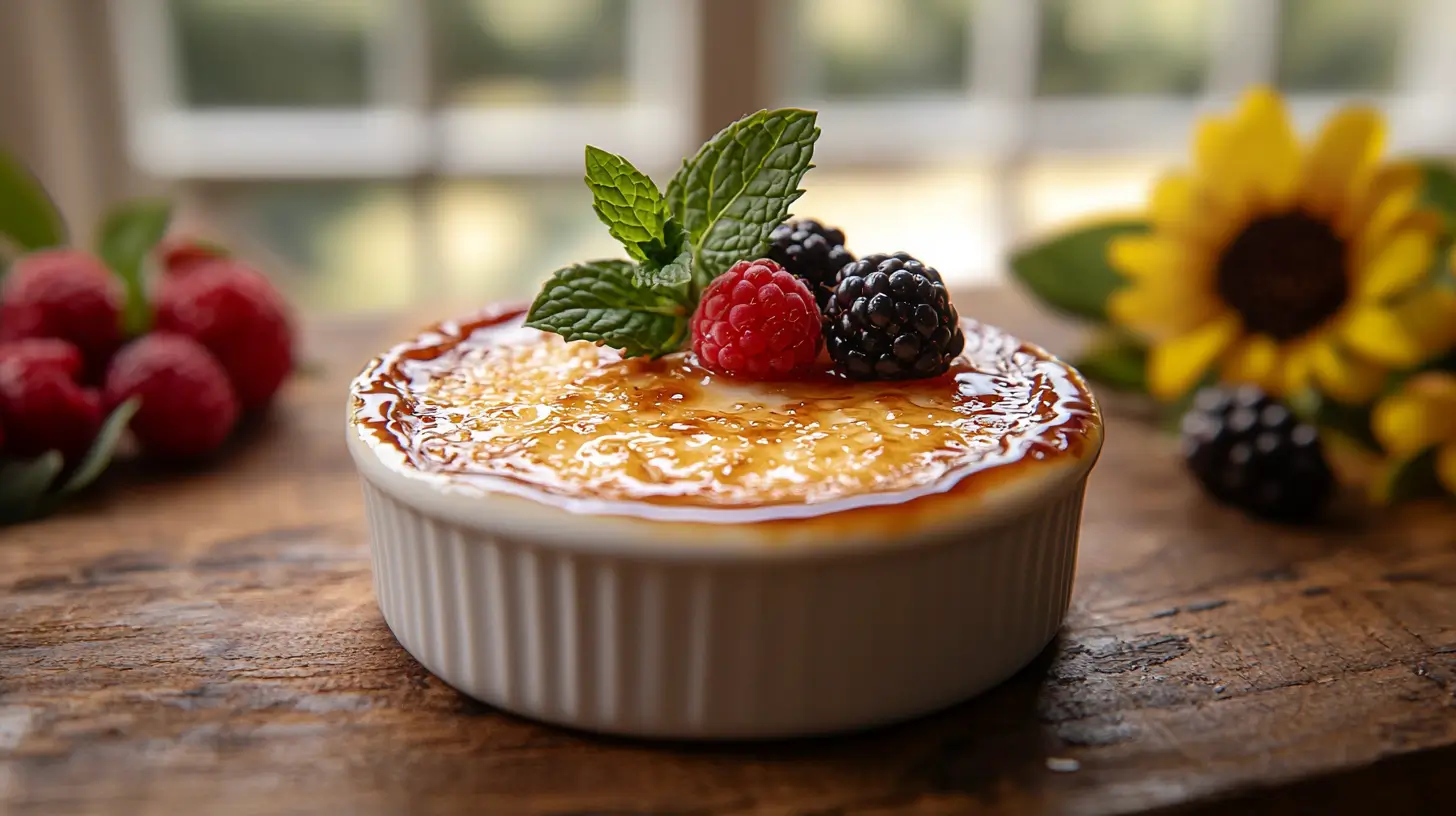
(762,644)
(639,627)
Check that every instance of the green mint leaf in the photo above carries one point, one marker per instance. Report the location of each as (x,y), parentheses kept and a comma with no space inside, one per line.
(23,485)
(739,186)
(28,217)
(674,279)
(1070,271)
(126,239)
(601,302)
(96,460)
(627,201)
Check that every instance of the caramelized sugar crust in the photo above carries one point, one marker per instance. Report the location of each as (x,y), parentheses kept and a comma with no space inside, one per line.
(492,402)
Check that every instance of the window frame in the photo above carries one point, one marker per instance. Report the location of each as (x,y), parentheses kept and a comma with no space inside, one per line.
(398,133)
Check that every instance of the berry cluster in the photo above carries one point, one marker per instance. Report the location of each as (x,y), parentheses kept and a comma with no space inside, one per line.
(1249,451)
(220,347)
(882,317)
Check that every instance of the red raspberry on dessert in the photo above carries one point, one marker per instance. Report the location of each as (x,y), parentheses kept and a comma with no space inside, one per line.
(234,311)
(43,407)
(757,321)
(65,294)
(187,405)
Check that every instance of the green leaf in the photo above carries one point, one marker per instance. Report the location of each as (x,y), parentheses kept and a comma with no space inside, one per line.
(23,485)
(28,217)
(127,237)
(739,186)
(601,302)
(631,206)
(1411,478)
(94,463)
(1070,272)
(1438,187)
(1118,360)
(673,279)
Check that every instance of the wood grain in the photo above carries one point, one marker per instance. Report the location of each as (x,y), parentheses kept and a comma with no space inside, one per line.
(208,642)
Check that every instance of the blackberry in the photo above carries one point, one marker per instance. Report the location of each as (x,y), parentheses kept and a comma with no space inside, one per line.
(891,319)
(810,251)
(1249,451)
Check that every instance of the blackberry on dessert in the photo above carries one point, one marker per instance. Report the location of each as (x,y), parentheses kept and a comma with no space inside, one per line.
(1247,450)
(891,319)
(810,251)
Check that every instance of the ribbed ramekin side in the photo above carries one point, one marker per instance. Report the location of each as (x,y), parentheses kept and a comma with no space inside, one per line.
(724,648)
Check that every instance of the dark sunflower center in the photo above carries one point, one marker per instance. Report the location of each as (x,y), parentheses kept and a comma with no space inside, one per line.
(1284,274)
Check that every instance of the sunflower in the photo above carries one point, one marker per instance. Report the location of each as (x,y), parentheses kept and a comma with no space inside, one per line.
(1281,266)
(1421,415)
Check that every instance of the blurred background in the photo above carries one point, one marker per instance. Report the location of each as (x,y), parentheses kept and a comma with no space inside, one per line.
(378,154)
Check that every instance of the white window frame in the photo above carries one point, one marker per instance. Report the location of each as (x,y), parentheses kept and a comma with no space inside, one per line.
(397,133)
(999,118)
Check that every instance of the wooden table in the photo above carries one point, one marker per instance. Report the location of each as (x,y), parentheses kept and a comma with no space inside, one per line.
(208,642)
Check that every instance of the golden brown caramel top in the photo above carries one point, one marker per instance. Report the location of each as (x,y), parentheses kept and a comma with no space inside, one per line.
(494,403)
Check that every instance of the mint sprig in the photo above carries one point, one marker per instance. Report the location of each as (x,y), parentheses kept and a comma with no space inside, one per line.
(631,206)
(719,209)
(602,302)
(731,195)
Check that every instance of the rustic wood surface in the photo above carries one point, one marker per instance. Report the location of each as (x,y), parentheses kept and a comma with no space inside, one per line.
(207,642)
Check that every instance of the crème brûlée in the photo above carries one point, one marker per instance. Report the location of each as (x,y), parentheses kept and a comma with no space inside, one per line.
(487,408)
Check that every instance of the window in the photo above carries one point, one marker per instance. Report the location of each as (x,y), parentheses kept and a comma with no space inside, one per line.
(400,150)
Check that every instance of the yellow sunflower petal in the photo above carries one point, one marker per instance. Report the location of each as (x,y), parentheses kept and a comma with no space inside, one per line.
(1296,367)
(1429,315)
(1394,187)
(1402,262)
(1176,208)
(1376,333)
(1265,154)
(1162,307)
(1344,152)
(1347,378)
(1446,467)
(1154,257)
(1211,146)
(1391,221)
(1254,359)
(1421,414)
(1215,156)
(1175,366)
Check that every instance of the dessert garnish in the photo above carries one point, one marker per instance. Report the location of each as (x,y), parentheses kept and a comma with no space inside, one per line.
(891,319)
(812,251)
(758,321)
(884,317)
(719,209)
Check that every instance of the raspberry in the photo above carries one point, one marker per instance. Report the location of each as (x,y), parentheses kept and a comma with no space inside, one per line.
(42,406)
(1249,451)
(187,406)
(891,319)
(180,255)
(811,251)
(757,321)
(65,294)
(236,313)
